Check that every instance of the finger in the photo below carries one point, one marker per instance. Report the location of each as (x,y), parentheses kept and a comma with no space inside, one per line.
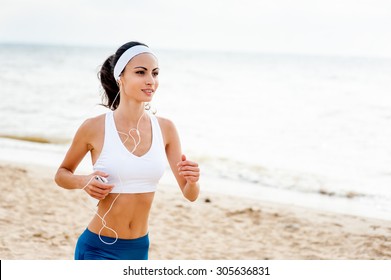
(188,163)
(189,173)
(100,188)
(102,185)
(105,188)
(183,159)
(194,170)
(96,193)
(189,168)
(101,173)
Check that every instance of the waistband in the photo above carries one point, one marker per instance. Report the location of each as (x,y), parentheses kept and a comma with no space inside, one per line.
(93,238)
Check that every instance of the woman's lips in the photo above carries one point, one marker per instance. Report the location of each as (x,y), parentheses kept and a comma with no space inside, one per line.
(148,92)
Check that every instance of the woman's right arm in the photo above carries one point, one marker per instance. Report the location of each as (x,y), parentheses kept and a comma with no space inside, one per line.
(80,146)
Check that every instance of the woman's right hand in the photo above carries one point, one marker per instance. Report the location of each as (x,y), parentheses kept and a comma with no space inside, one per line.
(95,188)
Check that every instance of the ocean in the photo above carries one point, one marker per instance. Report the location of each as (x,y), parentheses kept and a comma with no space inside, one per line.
(305,130)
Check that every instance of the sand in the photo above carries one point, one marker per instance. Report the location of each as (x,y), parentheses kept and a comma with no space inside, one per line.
(41,221)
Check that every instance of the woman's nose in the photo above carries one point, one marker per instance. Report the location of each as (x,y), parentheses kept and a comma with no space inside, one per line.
(150,80)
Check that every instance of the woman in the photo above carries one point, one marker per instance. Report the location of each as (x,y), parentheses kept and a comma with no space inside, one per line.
(129,148)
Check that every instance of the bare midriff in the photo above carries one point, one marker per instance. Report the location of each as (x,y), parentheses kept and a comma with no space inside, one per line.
(128,216)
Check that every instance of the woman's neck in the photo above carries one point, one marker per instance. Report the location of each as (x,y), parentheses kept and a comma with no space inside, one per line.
(129,113)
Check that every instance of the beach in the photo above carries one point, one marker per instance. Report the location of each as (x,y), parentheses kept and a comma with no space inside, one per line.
(41,221)
(295,167)
(314,131)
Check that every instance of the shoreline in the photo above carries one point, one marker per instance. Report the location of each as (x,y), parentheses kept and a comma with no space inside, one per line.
(45,221)
(51,155)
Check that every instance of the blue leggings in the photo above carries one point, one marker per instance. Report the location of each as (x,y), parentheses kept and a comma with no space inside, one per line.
(90,247)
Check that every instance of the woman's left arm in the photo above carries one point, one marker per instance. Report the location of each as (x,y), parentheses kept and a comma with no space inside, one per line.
(186,172)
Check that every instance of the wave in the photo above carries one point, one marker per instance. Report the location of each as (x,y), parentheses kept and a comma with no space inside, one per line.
(36,139)
(276,178)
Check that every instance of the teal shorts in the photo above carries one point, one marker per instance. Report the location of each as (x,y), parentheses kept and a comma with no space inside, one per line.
(90,247)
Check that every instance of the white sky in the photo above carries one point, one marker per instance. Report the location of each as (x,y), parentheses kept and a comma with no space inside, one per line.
(344,27)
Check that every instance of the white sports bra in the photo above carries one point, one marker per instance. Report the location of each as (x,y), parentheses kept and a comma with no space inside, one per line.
(130,173)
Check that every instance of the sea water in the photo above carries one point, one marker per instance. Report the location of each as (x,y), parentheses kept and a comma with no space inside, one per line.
(300,129)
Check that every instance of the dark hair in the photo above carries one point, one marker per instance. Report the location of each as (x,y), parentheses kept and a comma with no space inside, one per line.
(109,84)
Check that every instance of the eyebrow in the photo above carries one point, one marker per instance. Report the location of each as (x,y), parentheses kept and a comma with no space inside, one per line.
(157,68)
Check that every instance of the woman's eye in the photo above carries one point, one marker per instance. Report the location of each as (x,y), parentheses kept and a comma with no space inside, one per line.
(155,74)
(140,72)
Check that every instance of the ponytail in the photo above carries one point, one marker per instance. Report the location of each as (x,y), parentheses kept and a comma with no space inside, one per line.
(109,84)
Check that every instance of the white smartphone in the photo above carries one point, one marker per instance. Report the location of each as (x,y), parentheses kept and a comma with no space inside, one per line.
(101,179)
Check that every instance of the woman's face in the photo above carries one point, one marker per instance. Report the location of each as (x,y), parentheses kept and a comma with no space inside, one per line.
(139,80)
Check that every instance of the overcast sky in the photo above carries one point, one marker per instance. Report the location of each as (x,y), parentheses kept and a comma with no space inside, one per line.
(343,27)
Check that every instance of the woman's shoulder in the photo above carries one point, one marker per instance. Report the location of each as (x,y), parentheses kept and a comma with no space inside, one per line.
(94,121)
(92,125)
(168,129)
(165,124)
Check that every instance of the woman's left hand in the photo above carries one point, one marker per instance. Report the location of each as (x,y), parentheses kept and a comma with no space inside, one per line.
(189,170)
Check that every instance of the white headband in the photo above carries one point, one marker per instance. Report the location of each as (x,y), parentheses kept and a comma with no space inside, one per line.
(127,56)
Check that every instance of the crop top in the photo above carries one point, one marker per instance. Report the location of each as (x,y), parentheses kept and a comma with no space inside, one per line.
(130,173)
